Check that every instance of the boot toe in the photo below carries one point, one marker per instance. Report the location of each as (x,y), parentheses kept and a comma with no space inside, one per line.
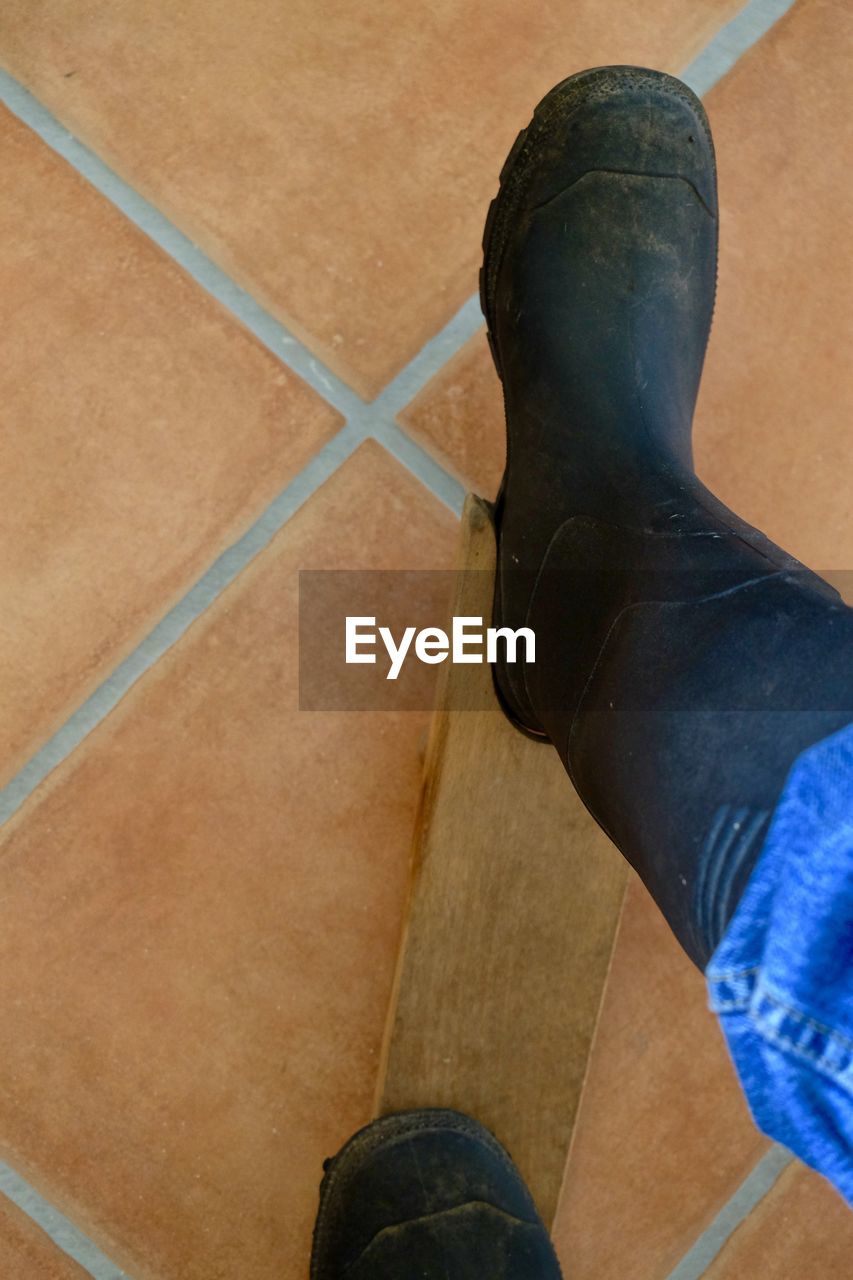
(427,1193)
(621,120)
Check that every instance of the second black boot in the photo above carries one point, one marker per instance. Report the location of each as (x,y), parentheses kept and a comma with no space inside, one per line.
(428,1194)
(682,660)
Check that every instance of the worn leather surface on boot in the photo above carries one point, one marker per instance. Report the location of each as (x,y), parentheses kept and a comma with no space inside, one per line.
(683,660)
(432,1194)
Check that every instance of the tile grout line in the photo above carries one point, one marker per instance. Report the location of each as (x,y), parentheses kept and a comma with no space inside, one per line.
(362,421)
(177,246)
(172,626)
(734,1212)
(212,583)
(371,418)
(732,41)
(61,1230)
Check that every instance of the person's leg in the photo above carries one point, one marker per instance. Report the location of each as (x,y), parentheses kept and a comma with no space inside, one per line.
(683,661)
(430,1194)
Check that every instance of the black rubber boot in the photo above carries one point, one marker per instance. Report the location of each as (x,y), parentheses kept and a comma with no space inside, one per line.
(427,1194)
(682,660)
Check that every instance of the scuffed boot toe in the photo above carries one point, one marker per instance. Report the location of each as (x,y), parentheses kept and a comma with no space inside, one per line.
(429,1194)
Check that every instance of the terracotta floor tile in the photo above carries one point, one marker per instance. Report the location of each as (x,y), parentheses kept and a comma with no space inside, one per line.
(26,1253)
(199,920)
(801,1229)
(459,418)
(774,433)
(336,159)
(664,1137)
(143,430)
(772,428)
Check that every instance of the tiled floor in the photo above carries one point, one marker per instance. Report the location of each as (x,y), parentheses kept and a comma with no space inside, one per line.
(335,158)
(664,1136)
(26,1253)
(145,431)
(803,1229)
(200,907)
(201,913)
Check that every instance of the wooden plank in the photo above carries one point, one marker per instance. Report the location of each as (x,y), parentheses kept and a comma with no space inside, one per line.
(515,904)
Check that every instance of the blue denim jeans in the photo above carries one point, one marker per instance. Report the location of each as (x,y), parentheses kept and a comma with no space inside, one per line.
(781,979)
